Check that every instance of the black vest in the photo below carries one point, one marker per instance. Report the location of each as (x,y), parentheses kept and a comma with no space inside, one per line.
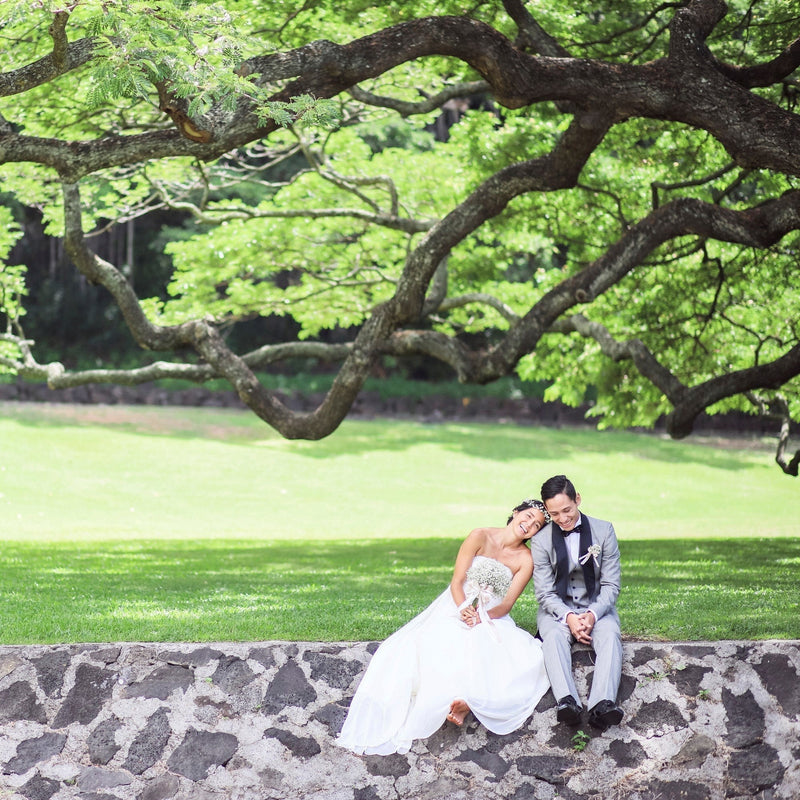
(562,560)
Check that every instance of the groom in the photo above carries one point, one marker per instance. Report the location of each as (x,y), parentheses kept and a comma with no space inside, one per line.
(576,576)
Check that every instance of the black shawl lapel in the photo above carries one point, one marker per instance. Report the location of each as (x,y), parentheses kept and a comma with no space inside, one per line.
(588,565)
(562,562)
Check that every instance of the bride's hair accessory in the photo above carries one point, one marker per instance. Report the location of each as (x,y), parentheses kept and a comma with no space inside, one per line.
(531,502)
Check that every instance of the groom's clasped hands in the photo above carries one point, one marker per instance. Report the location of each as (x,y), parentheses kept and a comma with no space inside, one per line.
(580,626)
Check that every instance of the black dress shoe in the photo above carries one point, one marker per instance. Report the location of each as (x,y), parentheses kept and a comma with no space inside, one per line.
(605,714)
(568,710)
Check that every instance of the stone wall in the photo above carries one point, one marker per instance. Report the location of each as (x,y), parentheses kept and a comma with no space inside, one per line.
(704,721)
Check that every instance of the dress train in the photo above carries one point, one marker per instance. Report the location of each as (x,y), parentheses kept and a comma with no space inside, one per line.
(496,667)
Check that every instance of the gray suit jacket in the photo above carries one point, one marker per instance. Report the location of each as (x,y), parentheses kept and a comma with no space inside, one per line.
(606,571)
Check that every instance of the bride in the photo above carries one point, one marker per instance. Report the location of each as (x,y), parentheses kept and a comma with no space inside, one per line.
(462,653)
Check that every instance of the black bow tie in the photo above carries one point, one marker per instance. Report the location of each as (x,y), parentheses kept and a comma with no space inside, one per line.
(576,529)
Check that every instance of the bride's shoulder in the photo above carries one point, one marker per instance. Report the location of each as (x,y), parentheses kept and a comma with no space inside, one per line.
(481,535)
(523,561)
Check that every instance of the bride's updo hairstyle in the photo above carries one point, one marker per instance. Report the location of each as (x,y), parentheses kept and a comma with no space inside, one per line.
(530,503)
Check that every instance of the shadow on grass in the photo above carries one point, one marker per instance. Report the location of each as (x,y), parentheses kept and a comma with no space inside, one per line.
(346,591)
(493,442)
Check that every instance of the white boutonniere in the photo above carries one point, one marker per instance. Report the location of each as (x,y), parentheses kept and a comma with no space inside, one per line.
(592,552)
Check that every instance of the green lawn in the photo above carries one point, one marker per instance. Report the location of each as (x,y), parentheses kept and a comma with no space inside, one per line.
(160,524)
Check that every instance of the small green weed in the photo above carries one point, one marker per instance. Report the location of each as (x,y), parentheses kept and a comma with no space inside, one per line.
(579,741)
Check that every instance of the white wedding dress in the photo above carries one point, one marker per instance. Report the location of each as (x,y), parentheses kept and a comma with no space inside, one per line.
(414,676)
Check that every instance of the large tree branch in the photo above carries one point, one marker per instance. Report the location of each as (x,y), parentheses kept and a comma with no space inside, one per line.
(631,350)
(778,408)
(219,216)
(200,335)
(532,36)
(64,58)
(561,168)
(98,271)
(771,375)
(689,402)
(558,170)
(687,87)
(408,108)
(767,74)
(57,377)
(760,226)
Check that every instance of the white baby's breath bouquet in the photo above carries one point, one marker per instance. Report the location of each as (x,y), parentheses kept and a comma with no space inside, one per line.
(490,574)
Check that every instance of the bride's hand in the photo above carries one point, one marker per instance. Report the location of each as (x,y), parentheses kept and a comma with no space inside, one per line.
(470,616)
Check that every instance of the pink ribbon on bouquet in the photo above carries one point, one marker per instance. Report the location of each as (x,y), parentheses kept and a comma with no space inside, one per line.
(482,592)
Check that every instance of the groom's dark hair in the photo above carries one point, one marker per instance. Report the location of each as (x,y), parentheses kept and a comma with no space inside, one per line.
(558,484)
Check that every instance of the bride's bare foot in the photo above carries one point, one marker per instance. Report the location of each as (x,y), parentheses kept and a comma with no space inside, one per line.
(458,710)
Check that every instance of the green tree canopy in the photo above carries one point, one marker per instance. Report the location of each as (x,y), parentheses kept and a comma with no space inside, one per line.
(601,196)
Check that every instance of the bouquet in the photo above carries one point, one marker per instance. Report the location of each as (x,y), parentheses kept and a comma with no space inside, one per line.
(491,575)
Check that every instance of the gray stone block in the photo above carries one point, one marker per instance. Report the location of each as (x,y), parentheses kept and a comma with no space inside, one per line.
(289,687)
(101,742)
(755,769)
(264,656)
(780,679)
(490,762)
(232,674)
(695,751)
(32,751)
(148,746)
(93,778)
(627,755)
(198,657)
(161,683)
(658,718)
(18,702)
(689,679)
(39,788)
(50,669)
(393,766)
(299,746)
(200,751)
(336,672)
(550,769)
(161,788)
(86,698)
(745,719)
(332,716)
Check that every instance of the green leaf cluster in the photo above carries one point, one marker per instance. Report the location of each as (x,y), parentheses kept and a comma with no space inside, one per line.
(12,289)
(322,234)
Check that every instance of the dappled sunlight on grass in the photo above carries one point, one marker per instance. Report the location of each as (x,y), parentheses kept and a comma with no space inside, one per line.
(361,590)
(712,589)
(161,524)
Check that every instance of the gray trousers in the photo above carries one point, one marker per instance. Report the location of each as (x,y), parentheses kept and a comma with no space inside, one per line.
(557,649)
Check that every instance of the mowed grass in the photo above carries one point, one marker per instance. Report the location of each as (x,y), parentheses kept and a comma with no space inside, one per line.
(175,524)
